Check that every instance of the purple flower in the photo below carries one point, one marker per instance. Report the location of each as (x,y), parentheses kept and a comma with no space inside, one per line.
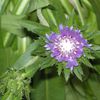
(66,46)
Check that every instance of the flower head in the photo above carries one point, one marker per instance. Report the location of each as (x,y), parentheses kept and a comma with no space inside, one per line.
(66,46)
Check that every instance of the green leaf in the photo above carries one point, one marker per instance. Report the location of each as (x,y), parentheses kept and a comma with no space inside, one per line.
(48,88)
(71,20)
(94,35)
(41,18)
(91,22)
(54,15)
(94,83)
(96,47)
(86,62)
(37,4)
(60,68)
(47,62)
(78,72)
(60,18)
(35,27)
(78,85)
(97,67)
(7,59)
(88,53)
(3,5)
(26,59)
(66,73)
(1,39)
(41,63)
(31,70)
(95,5)
(10,24)
(15,25)
(8,96)
(71,93)
(50,18)
(67,5)
(96,51)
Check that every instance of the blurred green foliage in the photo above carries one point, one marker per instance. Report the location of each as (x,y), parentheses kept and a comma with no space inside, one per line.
(27,72)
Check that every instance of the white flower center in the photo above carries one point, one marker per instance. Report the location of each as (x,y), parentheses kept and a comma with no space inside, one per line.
(66,45)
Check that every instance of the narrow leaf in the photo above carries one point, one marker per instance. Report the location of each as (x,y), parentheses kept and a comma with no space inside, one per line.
(66,74)
(26,59)
(86,62)
(37,4)
(78,72)
(60,67)
(15,25)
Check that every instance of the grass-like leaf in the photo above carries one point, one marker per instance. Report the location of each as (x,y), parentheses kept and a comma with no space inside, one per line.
(15,24)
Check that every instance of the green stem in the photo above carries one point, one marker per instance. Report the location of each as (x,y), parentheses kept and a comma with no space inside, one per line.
(79,11)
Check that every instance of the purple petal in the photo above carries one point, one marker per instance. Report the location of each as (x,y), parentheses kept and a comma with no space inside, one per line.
(79,53)
(49,46)
(59,58)
(77,31)
(53,36)
(88,45)
(71,64)
(57,53)
(65,31)
(60,27)
(71,28)
(47,36)
(75,63)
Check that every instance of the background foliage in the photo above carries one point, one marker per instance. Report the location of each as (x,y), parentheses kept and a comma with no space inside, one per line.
(26,70)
